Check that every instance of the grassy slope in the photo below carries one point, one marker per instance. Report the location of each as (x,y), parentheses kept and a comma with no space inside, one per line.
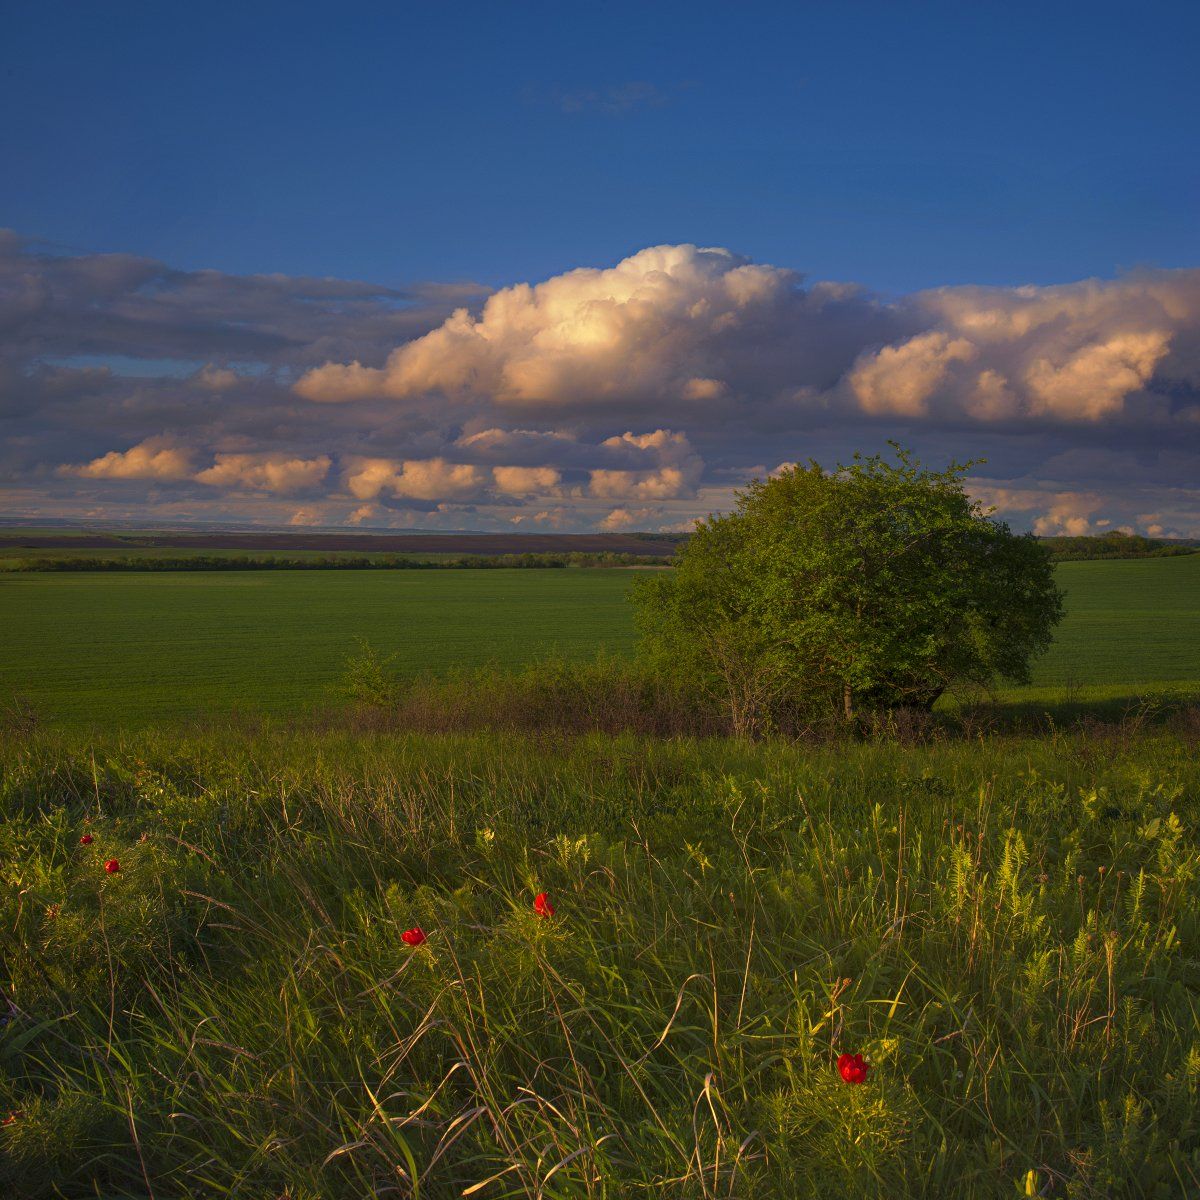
(122,649)
(1006,929)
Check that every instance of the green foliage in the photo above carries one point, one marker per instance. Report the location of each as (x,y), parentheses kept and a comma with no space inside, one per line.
(874,586)
(370,679)
(1004,928)
(1113,544)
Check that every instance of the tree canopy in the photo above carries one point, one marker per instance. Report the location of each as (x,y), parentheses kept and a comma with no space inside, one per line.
(876,585)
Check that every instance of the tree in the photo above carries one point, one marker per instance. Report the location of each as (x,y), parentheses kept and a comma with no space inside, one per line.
(876,585)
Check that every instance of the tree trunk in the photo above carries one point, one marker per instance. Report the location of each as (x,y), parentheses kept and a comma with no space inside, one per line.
(847,702)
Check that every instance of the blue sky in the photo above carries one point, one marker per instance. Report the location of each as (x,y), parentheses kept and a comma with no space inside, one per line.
(902,145)
(267,263)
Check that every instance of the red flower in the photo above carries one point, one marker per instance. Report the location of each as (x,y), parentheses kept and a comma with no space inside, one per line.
(86,840)
(112,866)
(13,1116)
(414,936)
(852,1068)
(542,905)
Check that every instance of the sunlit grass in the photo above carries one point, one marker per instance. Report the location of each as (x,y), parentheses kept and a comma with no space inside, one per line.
(1005,928)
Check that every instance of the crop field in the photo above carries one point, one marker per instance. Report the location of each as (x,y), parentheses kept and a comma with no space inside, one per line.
(118,648)
(1130,626)
(126,649)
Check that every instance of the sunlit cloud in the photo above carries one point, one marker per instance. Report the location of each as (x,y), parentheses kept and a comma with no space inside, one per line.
(647,390)
(152,459)
(265,472)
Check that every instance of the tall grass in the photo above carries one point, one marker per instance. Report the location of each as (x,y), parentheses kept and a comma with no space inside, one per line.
(1005,927)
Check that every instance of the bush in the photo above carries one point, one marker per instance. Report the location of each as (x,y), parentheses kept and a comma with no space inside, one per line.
(871,587)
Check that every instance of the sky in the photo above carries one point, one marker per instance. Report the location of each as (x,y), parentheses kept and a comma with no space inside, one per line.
(552,267)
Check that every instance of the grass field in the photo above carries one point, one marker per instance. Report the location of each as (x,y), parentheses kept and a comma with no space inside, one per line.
(119,649)
(1002,925)
(1003,928)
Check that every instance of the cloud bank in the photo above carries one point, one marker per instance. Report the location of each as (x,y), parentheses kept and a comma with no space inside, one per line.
(638,395)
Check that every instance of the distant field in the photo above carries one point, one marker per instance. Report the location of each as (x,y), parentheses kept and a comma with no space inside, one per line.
(115,650)
(12,559)
(38,543)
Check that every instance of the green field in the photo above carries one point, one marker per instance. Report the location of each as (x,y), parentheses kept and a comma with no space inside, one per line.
(129,649)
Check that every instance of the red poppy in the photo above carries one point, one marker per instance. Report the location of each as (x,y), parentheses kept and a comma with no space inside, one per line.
(852,1068)
(414,936)
(112,866)
(86,840)
(542,905)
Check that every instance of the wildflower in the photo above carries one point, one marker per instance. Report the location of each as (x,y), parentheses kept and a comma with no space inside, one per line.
(852,1068)
(414,936)
(542,905)
(112,866)
(13,1116)
(86,840)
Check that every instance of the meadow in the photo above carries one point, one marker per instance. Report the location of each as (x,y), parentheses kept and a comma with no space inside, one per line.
(206,990)
(130,650)
(1002,928)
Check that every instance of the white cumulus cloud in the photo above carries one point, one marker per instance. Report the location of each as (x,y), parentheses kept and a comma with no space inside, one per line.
(154,458)
(523,481)
(265,472)
(414,479)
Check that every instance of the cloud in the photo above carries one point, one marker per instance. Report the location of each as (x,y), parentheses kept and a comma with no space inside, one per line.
(900,379)
(616,99)
(547,518)
(705,333)
(624,518)
(677,474)
(518,444)
(1088,352)
(266,472)
(520,481)
(662,484)
(216,379)
(415,479)
(671,324)
(662,382)
(1056,513)
(152,459)
(1094,381)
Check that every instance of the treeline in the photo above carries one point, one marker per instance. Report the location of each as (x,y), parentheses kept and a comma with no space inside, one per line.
(391,562)
(1112,545)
